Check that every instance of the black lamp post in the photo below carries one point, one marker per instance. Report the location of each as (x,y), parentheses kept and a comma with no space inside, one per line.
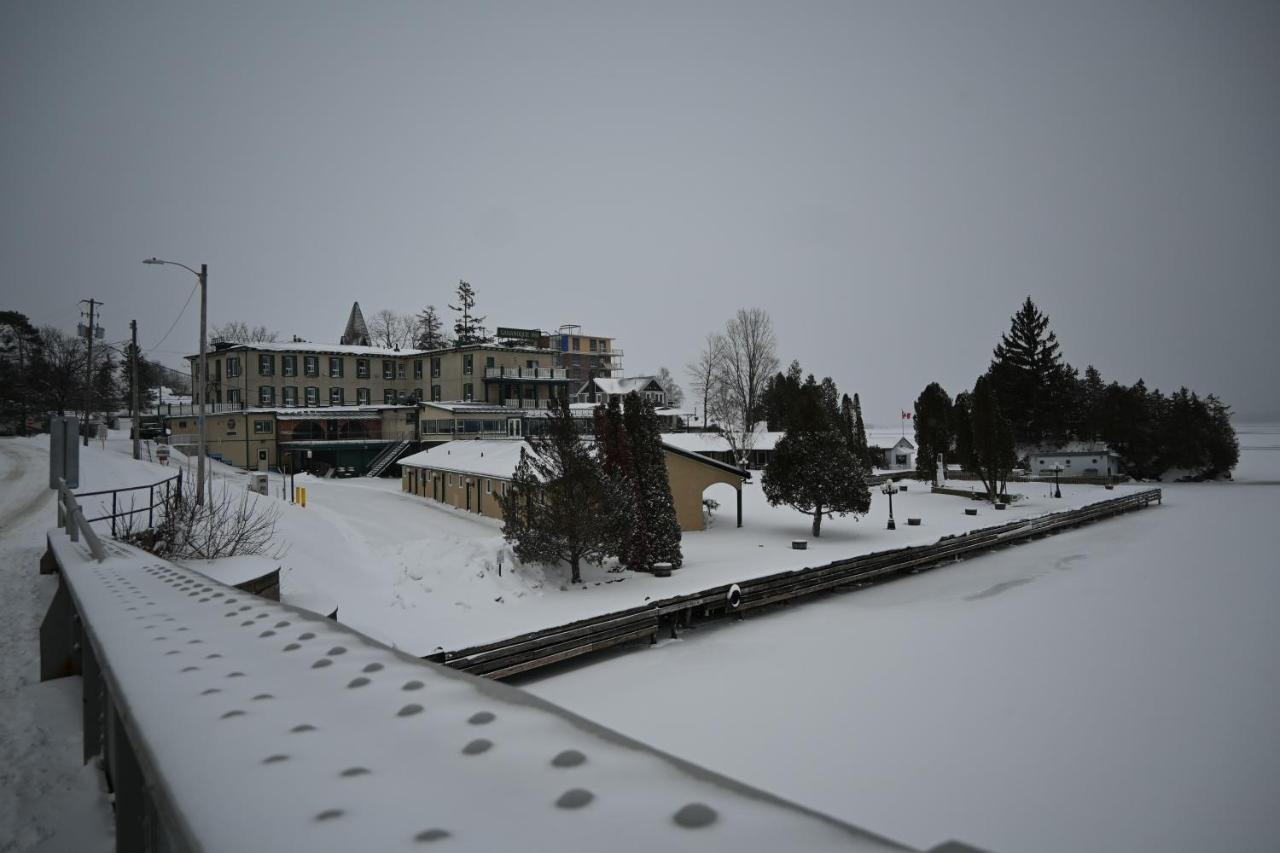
(889,488)
(1057,487)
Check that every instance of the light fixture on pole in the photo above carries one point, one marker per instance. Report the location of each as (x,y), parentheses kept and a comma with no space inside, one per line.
(890,488)
(201,387)
(1057,486)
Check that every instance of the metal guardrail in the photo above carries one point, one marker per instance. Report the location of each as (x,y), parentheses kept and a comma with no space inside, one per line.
(168,485)
(226,722)
(536,649)
(71,518)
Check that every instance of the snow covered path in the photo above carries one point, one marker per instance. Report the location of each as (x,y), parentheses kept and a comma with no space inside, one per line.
(1111,688)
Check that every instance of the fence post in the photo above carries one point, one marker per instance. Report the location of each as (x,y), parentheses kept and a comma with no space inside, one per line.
(151,503)
(113,514)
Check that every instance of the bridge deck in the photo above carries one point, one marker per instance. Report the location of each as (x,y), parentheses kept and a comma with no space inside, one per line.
(257,726)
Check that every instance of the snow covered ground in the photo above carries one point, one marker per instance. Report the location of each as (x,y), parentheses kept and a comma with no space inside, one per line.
(424,577)
(1115,687)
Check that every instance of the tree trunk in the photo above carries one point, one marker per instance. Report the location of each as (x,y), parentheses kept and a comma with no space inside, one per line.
(817,522)
(575,575)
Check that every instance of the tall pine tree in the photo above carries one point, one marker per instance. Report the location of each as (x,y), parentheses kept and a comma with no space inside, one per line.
(467,328)
(558,506)
(993,448)
(654,530)
(1030,380)
(429,334)
(933,430)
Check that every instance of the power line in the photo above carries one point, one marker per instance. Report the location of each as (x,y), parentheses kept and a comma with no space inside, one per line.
(176,319)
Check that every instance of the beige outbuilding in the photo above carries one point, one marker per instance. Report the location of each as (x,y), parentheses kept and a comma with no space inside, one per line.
(472,474)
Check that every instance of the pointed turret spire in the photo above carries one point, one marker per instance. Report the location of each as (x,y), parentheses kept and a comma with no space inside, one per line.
(357,333)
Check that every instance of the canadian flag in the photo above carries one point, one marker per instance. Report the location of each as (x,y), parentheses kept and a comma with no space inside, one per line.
(906,416)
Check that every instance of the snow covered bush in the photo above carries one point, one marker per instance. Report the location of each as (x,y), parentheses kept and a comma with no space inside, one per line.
(226,524)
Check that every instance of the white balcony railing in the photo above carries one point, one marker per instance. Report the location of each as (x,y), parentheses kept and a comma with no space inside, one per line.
(543,373)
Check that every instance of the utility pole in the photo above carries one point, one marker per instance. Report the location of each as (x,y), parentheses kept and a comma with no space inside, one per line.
(134,409)
(204,384)
(88,369)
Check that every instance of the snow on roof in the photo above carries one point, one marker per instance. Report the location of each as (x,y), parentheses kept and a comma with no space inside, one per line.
(714,442)
(623,385)
(889,438)
(483,457)
(349,349)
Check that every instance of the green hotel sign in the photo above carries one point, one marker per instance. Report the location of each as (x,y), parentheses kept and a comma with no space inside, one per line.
(519,334)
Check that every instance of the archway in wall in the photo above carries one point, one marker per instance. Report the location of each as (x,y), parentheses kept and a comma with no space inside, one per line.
(724,498)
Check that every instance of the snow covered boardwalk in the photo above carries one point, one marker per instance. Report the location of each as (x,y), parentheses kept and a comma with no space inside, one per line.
(229,722)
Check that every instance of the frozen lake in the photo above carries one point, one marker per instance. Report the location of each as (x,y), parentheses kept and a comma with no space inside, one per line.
(1110,688)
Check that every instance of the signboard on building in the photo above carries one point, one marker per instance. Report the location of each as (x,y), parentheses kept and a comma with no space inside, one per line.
(518,334)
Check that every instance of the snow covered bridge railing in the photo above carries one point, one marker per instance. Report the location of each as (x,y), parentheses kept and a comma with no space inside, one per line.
(226,722)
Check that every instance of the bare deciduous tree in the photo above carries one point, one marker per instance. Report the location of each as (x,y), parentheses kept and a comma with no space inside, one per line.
(229,523)
(675,394)
(704,371)
(391,330)
(750,358)
(240,332)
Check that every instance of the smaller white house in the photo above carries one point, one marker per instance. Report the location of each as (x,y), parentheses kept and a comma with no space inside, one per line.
(601,388)
(1075,462)
(894,451)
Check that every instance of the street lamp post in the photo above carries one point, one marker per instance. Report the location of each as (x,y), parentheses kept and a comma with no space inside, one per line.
(890,488)
(1057,486)
(203,381)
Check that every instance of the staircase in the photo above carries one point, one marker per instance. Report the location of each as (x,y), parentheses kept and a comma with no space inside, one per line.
(386,458)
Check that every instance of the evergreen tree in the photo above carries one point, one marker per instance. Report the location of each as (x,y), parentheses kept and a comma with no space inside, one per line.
(816,468)
(613,452)
(815,472)
(468,328)
(19,346)
(780,396)
(1092,393)
(1030,381)
(655,530)
(933,430)
(429,330)
(993,448)
(1129,423)
(962,430)
(558,506)
(848,426)
(1224,448)
(860,447)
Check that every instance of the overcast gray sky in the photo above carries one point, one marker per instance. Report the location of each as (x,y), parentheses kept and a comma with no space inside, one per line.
(888,180)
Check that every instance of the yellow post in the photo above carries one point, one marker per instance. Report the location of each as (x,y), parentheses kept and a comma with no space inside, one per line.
(303,498)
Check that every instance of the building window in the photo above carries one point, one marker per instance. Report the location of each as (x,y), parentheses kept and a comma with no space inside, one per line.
(577,344)
(335,367)
(435,368)
(488,487)
(435,393)
(266,365)
(592,342)
(417,394)
(335,396)
(261,426)
(417,368)
(467,361)
(311,365)
(400,370)
(362,368)
(233,395)
(266,395)
(408,417)
(389,396)
(466,392)
(388,369)
(233,366)
(291,395)
(450,479)
(313,395)
(488,362)
(289,365)
(362,396)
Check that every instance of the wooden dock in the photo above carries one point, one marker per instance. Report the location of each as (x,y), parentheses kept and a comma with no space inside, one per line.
(537,649)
